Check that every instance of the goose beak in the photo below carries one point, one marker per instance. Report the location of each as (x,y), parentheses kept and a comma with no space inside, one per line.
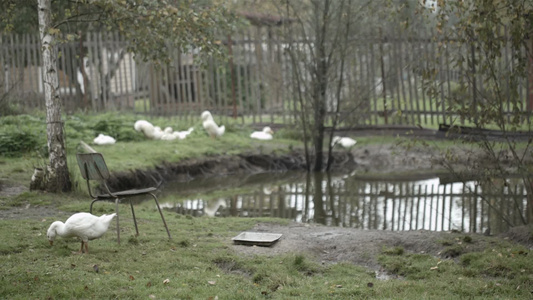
(51,243)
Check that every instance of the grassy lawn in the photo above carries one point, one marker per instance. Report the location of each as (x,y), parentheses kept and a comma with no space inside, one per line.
(199,262)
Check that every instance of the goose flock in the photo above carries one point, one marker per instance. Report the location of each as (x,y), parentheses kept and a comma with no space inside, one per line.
(211,128)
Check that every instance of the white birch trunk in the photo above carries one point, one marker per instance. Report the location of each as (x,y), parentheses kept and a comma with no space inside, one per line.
(57,176)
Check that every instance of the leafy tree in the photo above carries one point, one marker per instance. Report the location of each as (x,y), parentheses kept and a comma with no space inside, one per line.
(491,41)
(152,28)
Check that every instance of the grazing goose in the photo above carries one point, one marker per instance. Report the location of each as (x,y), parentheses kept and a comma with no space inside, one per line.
(265,134)
(210,126)
(82,225)
(345,142)
(146,128)
(103,139)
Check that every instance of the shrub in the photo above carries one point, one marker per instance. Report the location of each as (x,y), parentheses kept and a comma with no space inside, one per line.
(14,142)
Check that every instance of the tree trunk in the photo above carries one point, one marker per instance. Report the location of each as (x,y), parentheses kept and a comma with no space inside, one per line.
(57,177)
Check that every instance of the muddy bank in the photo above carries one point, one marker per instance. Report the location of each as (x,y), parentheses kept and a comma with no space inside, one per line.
(224,165)
(369,159)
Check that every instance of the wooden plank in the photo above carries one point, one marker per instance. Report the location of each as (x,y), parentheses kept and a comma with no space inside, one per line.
(506,68)
(428,61)
(118,77)
(371,81)
(30,70)
(237,52)
(103,84)
(416,54)
(187,69)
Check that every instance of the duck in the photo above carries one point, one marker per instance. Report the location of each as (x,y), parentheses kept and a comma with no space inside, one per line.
(83,225)
(210,126)
(183,134)
(345,142)
(265,134)
(146,128)
(103,139)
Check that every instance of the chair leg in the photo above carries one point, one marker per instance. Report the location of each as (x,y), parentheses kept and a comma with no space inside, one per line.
(118,226)
(91,208)
(134,219)
(162,217)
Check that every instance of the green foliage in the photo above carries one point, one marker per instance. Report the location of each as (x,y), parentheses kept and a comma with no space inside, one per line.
(21,134)
(13,142)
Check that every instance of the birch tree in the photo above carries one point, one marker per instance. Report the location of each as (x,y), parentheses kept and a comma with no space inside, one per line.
(57,178)
(151,29)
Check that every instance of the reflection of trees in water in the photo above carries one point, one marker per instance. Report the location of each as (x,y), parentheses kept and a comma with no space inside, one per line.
(384,205)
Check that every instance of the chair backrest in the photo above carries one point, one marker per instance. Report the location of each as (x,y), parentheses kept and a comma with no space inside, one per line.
(92,166)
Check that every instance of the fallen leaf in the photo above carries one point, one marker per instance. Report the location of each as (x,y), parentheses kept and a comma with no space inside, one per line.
(166,281)
(151,296)
(132,278)
(338,286)
(211,282)
(434,268)
(149,284)
(36,278)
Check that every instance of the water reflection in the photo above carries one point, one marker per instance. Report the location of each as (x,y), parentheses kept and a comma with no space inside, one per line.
(350,201)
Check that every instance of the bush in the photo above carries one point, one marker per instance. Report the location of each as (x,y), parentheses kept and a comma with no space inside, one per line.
(14,142)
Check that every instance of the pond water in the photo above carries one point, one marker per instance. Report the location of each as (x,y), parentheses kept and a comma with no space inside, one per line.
(352,201)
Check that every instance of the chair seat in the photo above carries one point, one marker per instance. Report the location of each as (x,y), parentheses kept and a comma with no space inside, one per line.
(132,192)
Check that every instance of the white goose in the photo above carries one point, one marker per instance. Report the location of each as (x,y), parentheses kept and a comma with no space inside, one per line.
(345,142)
(210,126)
(183,134)
(265,134)
(103,139)
(82,225)
(146,128)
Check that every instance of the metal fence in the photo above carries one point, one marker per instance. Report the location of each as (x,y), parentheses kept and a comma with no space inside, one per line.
(383,79)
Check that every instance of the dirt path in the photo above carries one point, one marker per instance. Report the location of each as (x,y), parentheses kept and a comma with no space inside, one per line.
(361,247)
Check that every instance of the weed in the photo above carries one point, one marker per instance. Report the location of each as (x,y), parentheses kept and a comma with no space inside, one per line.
(452,251)
(398,250)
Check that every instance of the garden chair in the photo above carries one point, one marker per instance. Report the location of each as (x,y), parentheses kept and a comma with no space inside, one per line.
(93,167)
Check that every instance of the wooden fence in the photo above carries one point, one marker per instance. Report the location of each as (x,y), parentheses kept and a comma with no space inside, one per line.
(383,79)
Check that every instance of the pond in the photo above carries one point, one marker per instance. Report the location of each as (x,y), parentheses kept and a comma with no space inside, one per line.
(394,204)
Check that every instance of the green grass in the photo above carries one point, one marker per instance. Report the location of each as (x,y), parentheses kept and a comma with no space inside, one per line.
(199,263)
